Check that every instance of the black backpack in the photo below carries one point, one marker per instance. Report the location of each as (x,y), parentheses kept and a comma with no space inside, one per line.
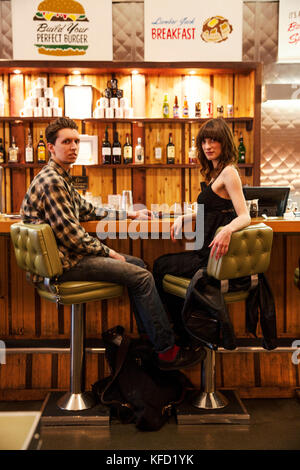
(137,390)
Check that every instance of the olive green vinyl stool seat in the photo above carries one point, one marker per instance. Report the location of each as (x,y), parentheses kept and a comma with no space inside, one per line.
(248,255)
(37,253)
(297,276)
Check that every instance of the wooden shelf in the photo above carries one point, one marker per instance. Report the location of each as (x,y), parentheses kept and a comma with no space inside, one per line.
(157,166)
(131,120)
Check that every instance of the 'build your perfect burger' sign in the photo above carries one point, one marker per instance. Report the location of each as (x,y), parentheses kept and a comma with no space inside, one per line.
(62,29)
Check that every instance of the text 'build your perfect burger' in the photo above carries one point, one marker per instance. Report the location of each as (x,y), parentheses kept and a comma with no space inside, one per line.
(62,31)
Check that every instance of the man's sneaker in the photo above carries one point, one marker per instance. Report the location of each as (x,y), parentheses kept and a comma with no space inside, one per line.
(185,358)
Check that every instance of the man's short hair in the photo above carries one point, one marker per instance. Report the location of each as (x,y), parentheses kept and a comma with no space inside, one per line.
(55,126)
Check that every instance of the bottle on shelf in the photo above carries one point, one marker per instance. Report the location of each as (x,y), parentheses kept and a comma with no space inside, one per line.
(13,151)
(2,101)
(116,150)
(170,150)
(193,153)
(166,108)
(139,152)
(41,150)
(185,109)
(106,149)
(127,150)
(241,150)
(176,108)
(158,149)
(2,152)
(29,149)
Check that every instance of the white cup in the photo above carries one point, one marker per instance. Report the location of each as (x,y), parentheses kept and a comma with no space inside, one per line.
(43,102)
(109,113)
(102,103)
(35,92)
(26,111)
(53,102)
(30,102)
(40,82)
(57,111)
(128,113)
(114,102)
(38,112)
(48,92)
(114,201)
(47,111)
(119,113)
(124,102)
(99,112)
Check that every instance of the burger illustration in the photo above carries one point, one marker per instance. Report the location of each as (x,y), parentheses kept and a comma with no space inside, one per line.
(63,11)
(216,29)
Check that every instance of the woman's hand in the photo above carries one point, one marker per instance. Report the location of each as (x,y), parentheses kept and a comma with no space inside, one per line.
(220,243)
(113,254)
(176,228)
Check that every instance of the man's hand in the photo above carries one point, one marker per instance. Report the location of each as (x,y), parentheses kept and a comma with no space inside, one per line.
(113,254)
(143,214)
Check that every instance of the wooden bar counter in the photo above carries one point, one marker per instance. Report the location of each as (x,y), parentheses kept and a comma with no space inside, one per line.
(36,333)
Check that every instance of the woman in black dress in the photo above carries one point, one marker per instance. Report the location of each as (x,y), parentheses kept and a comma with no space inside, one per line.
(224,205)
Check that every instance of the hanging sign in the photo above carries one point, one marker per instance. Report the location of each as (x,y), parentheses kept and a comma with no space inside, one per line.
(62,30)
(289,31)
(194,30)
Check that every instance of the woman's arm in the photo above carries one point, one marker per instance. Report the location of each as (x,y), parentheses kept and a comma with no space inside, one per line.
(233,185)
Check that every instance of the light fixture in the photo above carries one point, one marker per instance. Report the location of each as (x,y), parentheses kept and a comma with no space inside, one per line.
(135,72)
(192,72)
(76,72)
(17,71)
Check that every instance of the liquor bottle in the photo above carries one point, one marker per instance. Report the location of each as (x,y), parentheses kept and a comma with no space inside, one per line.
(29,150)
(116,150)
(127,150)
(106,149)
(193,152)
(139,152)
(170,150)
(13,152)
(176,108)
(241,150)
(2,152)
(185,110)
(166,109)
(157,149)
(41,150)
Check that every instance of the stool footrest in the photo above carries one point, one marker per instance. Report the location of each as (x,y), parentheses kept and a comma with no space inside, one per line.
(210,400)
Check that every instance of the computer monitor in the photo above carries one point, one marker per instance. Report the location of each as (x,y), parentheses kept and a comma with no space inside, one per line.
(272,201)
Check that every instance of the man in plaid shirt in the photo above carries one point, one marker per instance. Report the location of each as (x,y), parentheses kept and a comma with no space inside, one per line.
(52,199)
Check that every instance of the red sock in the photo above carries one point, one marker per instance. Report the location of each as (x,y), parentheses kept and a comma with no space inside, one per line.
(170,354)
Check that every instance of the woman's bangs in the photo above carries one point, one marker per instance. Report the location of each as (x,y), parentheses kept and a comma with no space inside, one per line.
(210,133)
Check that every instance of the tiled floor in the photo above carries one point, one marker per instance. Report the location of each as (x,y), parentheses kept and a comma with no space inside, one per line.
(274,425)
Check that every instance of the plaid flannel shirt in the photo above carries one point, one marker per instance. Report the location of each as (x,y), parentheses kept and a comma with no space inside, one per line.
(52,199)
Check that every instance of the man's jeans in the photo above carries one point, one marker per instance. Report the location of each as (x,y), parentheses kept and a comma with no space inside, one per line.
(148,309)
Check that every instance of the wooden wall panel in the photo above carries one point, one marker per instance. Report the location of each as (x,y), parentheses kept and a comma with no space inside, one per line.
(163,186)
(222,92)
(244,94)
(13,373)
(156,87)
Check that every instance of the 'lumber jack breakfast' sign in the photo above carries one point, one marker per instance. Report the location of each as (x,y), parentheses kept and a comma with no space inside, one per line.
(193,30)
(62,29)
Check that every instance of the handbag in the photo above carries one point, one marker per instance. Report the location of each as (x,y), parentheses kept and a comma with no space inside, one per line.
(137,391)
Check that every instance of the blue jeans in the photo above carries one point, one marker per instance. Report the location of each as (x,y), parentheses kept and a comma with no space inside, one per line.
(149,312)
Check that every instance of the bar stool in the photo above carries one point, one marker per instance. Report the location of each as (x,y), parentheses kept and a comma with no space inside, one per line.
(248,255)
(37,253)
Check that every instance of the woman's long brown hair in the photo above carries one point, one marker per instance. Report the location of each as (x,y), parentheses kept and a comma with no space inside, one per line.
(218,130)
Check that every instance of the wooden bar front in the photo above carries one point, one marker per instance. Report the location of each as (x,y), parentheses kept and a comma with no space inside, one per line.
(26,321)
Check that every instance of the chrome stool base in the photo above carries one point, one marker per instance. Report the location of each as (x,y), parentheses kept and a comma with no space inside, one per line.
(76,401)
(210,401)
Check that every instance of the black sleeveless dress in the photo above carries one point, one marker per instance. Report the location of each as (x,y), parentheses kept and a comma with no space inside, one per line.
(218,212)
